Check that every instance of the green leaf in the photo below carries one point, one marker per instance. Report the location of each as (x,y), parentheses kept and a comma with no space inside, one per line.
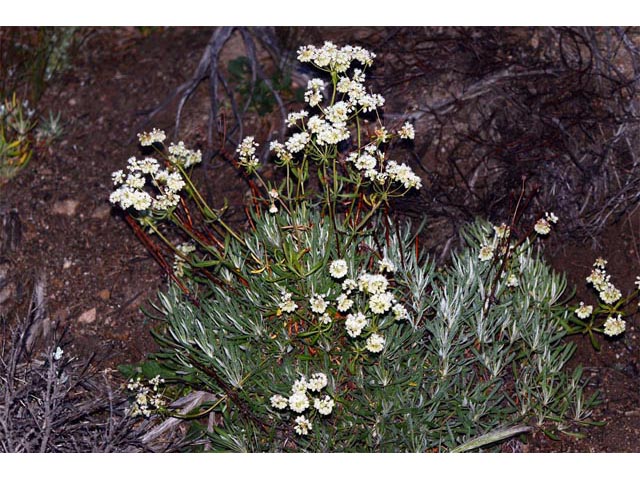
(491,437)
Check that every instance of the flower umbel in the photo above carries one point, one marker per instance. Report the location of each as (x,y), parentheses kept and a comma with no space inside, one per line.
(298,402)
(338,268)
(154,136)
(614,326)
(247,153)
(407,131)
(324,405)
(279,402)
(375,343)
(317,382)
(584,311)
(318,304)
(286,304)
(303,425)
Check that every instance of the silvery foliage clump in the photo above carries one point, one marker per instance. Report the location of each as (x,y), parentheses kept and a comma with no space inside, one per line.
(325,326)
(461,366)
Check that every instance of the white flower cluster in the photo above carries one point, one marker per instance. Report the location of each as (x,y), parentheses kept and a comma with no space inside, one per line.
(389,170)
(375,343)
(286,304)
(154,136)
(403,174)
(294,117)
(356,94)
(609,295)
(247,153)
(313,95)
(543,225)
(614,326)
(132,187)
(380,301)
(486,252)
(327,132)
(584,311)
(501,231)
(281,152)
(332,58)
(601,281)
(372,283)
(407,131)
(329,126)
(181,155)
(355,323)
(273,196)
(318,304)
(148,398)
(344,303)
(512,280)
(301,399)
(338,268)
(297,142)
(386,265)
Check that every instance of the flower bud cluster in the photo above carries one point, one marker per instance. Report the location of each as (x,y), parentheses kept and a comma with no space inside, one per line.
(302,398)
(181,155)
(148,398)
(179,262)
(378,301)
(146,176)
(377,169)
(601,281)
(247,154)
(543,225)
(614,326)
(609,295)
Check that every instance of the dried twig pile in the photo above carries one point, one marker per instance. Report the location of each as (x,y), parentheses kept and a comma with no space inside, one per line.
(553,109)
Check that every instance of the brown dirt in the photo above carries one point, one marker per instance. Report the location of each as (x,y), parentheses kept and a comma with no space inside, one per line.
(98,275)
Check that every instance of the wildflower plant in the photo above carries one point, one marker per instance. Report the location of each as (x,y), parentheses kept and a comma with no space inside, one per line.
(325,326)
(606,317)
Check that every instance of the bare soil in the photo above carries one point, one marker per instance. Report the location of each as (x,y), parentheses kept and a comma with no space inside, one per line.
(99,276)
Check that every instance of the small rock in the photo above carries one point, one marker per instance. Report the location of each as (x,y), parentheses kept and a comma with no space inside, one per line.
(60,315)
(88,317)
(104,294)
(72,102)
(66,207)
(67,264)
(102,212)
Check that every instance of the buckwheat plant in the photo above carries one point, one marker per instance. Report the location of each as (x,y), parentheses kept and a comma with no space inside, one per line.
(325,326)
(607,315)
